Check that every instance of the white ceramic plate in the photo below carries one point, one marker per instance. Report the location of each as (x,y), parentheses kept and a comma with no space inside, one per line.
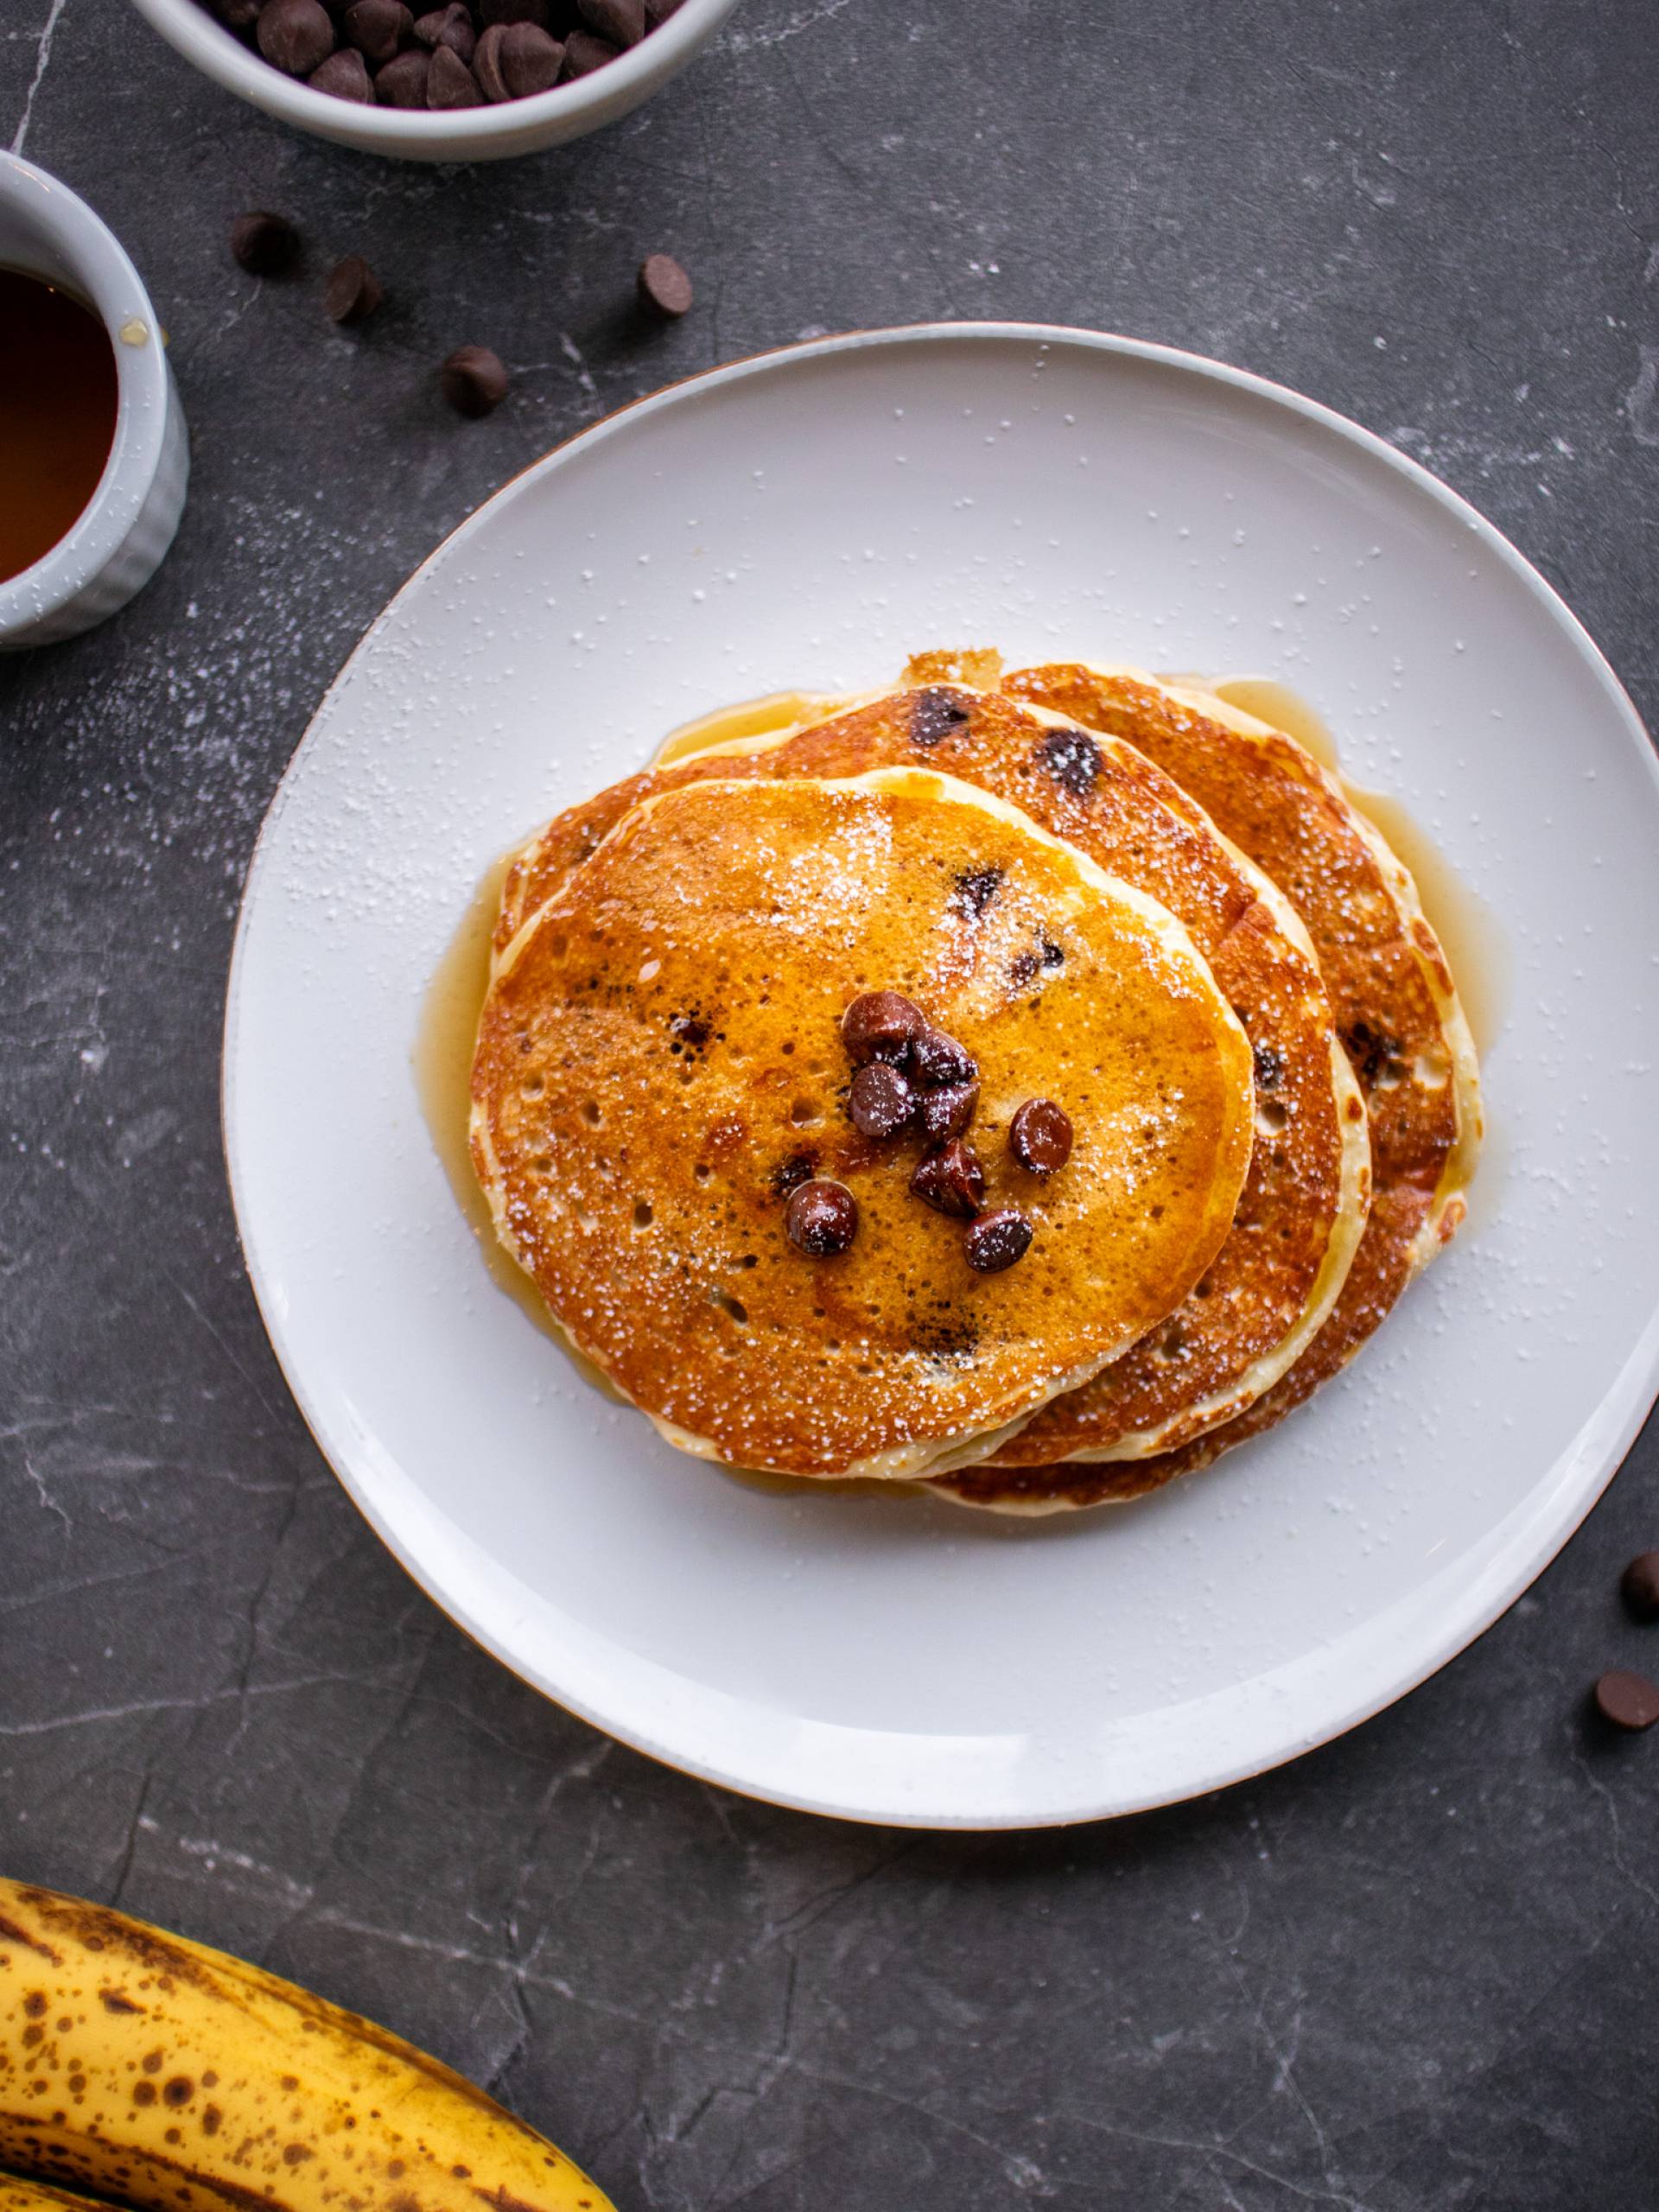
(808,519)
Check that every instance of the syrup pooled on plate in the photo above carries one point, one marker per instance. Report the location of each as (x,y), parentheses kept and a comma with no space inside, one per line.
(57,396)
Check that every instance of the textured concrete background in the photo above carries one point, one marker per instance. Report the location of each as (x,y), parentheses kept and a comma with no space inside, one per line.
(1417,1970)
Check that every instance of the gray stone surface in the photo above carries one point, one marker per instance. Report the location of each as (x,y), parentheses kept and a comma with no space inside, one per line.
(1416,1970)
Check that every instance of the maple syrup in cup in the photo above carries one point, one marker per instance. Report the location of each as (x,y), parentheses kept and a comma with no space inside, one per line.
(93,453)
(57,415)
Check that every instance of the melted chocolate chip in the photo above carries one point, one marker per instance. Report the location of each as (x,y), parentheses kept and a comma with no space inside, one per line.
(996,1241)
(1040,1137)
(879,1025)
(945,1113)
(1372,1052)
(1054,955)
(936,1058)
(1022,968)
(789,1175)
(934,714)
(880,1101)
(951,1181)
(1072,758)
(821,1219)
(1269,1063)
(973,890)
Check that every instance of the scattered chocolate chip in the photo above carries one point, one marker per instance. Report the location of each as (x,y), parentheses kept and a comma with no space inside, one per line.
(1269,1065)
(402,83)
(1627,1701)
(1072,758)
(515,60)
(972,890)
(264,244)
(821,1219)
(1022,968)
(474,381)
(451,26)
(583,54)
(1640,1585)
(1040,1137)
(343,76)
(934,714)
(879,1025)
(377,27)
(880,1101)
(996,1241)
(622,21)
(451,83)
(353,291)
(295,35)
(937,1059)
(664,285)
(951,1181)
(945,1113)
(514,11)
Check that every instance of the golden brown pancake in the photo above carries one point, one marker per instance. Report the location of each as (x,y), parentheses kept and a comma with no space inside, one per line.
(1302,1209)
(1396,1008)
(659,1066)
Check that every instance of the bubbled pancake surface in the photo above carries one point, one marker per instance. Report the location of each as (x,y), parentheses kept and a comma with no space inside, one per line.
(1303,1206)
(659,1062)
(1393,991)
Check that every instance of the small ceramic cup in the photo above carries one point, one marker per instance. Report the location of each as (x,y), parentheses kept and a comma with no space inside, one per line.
(116,544)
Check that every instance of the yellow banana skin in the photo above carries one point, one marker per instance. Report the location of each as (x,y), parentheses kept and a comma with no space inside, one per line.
(149,2069)
(17,2195)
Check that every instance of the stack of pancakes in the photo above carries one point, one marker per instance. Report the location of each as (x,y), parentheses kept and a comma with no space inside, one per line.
(1117,894)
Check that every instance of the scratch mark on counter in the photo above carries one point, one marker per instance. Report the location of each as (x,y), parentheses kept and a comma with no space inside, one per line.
(43,56)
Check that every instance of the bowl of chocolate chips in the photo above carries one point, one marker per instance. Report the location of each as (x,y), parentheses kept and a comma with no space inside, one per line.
(460,80)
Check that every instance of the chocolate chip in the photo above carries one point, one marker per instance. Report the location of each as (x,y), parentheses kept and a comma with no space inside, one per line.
(879,1025)
(402,83)
(622,21)
(514,11)
(474,381)
(789,1175)
(515,59)
(1054,955)
(264,244)
(664,285)
(1072,758)
(353,291)
(996,1241)
(951,1181)
(1040,1137)
(583,54)
(451,26)
(377,27)
(238,15)
(295,35)
(946,1112)
(1022,968)
(881,1102)
(821,1219)
(658,11)
(1627,1701)
(936,1058)
(1269,1065)
(934,714)
(972,890)
(451,83)
(343,76)
(1640,1585)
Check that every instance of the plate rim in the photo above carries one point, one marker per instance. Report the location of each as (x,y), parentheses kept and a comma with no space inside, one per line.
(1641,1371)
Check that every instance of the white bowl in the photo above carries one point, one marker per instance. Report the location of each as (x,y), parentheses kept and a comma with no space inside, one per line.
(473,134)
(127,526)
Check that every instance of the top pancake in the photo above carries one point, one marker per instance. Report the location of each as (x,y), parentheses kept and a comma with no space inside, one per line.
(1301,1214)
(1396,1001)
(659,1063)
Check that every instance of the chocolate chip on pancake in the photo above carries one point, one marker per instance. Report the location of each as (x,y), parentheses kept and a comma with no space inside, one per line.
(951,1181)
(996,1241)
(1040,1137)
(934,714)
(881,1102)
(1072,759)
(821,1219)
(936,1058)
(975,889)
(880,1025)
(946,1112)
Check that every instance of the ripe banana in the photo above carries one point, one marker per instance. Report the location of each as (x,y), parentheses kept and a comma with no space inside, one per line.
(151,2070)
(17,2195)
